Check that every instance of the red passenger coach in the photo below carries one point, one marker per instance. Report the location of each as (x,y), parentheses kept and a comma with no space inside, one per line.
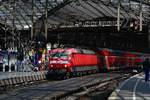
(116,59)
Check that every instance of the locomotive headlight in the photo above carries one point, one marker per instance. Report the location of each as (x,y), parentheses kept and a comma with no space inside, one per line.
(64,62)
(40,61)
(51,65)
(65,66)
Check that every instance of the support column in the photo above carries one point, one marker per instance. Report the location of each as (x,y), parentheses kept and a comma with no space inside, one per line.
(3,67)
(32,20)
(148,36)
(46,19)
(141,18)
(5,45)
(32,31)
(13,28)
(118,17)
(9,64)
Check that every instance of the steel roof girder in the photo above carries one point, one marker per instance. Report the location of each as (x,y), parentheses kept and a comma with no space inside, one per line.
(92,9)
(99,9)
(13,15)
(76,12)
(24,17)
(79,8)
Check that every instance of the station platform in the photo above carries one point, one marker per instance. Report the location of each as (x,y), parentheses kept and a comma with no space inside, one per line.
(12,78)
(134,88)
(6,75)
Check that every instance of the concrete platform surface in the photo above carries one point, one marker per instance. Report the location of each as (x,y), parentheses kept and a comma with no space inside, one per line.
(134,88)
(13,78)
(6,75)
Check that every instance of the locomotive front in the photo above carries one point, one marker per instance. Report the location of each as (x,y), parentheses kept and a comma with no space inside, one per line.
(59,61)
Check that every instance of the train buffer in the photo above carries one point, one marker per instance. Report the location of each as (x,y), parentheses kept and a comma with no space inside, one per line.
(134,88)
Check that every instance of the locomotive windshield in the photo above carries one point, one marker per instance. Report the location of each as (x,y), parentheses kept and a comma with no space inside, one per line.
(59,54)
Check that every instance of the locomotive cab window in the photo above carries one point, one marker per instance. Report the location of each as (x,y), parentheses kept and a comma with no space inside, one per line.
(59,54)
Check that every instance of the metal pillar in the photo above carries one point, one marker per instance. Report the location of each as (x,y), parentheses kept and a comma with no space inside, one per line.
(32,19)
(3,67)
(13,24)
(46,11)
(5,33)
(149,36)
(141,15)
(118,16)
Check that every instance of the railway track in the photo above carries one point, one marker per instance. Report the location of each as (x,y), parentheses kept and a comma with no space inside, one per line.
(102,89)
(55,90)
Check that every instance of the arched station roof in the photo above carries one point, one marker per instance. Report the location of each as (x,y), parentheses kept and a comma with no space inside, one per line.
(83,10)
(67,13)
(18,13)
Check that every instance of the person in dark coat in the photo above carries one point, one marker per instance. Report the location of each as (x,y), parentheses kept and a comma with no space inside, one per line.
(146,68)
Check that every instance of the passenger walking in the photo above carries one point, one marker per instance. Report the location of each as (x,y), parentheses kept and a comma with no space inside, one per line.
(146,68)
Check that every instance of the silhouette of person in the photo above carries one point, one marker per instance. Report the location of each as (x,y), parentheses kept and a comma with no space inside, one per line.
(146,68)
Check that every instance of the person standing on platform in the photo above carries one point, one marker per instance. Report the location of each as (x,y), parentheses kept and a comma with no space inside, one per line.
(146,68)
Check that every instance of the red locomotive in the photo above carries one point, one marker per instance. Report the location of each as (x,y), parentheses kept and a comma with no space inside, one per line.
(72,61)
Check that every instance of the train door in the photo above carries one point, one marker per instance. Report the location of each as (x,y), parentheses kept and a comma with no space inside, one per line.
(101,61)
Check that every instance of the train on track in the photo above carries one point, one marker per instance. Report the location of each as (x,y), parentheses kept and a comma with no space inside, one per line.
(70,62)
